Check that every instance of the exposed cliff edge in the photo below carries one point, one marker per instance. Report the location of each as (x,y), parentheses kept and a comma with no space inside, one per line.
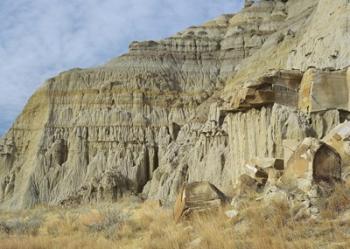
(195,106)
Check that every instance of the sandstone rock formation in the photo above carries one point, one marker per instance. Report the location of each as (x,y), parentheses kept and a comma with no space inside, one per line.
(312,162)
(197,197)
(265,169)
(339,140)
(196,106)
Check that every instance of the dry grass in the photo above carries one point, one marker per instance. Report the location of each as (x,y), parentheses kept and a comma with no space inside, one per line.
(338,202)
(131,224)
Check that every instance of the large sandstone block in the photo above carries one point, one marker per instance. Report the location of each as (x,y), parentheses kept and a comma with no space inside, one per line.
(312,162)
(274,86)
(249,97)
(339,139)
(197,197)
(323,90)
(284,84)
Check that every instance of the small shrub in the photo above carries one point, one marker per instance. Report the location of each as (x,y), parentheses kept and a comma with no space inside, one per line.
(4,227)
(338,202)
(28,226)
(109,224)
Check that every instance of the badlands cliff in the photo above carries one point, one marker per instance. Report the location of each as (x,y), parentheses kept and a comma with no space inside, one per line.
(195,106)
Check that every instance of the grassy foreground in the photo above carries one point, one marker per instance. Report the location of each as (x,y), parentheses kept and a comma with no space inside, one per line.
(132,224)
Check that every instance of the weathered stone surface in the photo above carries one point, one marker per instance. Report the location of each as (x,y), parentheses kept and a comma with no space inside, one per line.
(260,175)
(289,147)
(266,163)
(324,90)
(197,197)
(163,114)
(312,162)
(267,169)
(248,98)
(260,133)
(339,139)
(304,39)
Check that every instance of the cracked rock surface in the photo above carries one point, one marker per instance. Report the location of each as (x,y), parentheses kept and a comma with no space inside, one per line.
(192,107)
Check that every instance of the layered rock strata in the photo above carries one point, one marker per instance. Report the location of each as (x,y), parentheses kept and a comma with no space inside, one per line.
(195,106)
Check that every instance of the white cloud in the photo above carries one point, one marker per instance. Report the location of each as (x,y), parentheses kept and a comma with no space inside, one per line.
(39,38)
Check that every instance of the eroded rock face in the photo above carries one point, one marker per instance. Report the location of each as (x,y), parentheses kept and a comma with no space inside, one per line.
(193,107)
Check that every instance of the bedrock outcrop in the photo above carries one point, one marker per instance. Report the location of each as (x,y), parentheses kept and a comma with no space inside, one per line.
(195,106)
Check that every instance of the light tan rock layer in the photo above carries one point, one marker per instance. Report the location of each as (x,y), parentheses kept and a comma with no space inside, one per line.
(195,106)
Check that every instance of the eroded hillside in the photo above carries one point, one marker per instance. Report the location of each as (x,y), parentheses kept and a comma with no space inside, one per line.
(194,106)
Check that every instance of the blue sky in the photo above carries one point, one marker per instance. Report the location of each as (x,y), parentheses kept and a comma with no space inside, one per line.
(40,38)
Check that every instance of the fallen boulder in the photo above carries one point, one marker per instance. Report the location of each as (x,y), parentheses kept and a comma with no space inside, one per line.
(339,139)
(265,169)
(268,162)
(197,197)
(312,162)
(257,173)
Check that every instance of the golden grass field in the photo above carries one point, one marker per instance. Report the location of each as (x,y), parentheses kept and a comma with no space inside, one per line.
(131,224)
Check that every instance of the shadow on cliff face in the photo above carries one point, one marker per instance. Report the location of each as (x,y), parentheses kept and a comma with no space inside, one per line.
(110,189)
